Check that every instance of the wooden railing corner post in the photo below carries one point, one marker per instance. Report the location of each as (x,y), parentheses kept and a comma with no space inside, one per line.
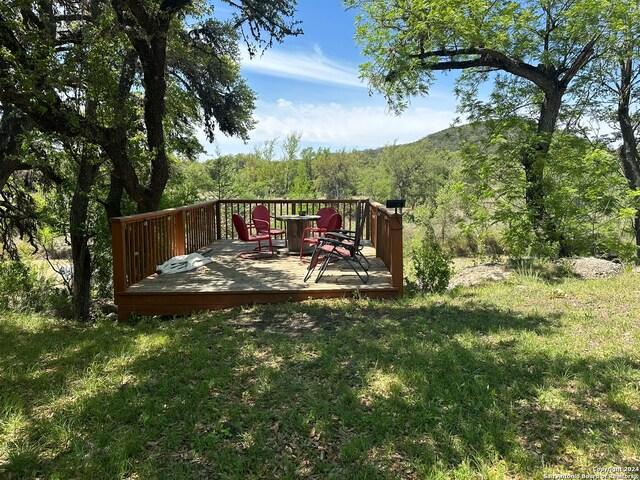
(397,260)
(118,256)
(367,221)
(179,232)
(381,241)
(218,221)
(373,229)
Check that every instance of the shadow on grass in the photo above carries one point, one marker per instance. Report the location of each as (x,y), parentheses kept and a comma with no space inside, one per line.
(32,359)
(346,390)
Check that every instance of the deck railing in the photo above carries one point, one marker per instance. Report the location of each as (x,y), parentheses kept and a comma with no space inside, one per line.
(386,237)
(141,242)
(226,208)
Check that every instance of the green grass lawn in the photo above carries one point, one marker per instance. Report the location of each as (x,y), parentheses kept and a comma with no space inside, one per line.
(518,379)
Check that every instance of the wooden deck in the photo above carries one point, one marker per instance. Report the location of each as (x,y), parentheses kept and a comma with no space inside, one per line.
(231,281)
(141,242)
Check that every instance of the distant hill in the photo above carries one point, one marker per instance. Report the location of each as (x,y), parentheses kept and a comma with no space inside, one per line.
(449,139)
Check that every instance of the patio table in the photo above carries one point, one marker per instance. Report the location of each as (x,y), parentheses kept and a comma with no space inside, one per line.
(295,225)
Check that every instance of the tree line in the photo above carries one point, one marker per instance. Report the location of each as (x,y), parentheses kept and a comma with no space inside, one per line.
(465,184)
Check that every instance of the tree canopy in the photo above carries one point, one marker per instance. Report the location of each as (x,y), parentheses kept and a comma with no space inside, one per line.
(125,58)
(113,91)
(544,43)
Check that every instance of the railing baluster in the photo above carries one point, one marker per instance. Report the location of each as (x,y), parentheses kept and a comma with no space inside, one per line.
(163,238)
(191,230)
(190,237)
(169,251)
(152,243)
(132,257)
(226,221)
(200,224)
(146,242)
(136,251)
(130,251)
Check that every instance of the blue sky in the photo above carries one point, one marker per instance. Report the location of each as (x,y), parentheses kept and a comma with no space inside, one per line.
(309,84)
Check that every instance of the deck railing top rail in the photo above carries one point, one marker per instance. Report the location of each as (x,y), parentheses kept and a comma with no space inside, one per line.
(294,200)
(160,213)
(382,210)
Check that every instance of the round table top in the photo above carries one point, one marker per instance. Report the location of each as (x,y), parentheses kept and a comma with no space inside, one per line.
(297,217)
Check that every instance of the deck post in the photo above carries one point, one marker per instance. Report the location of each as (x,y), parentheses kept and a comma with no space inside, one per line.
(395,254)
(373,227)
(218,221)
(382,242)
(367,221)
(178,232)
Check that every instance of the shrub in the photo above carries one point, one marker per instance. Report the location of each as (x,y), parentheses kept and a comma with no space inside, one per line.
(25,288)
(431,266)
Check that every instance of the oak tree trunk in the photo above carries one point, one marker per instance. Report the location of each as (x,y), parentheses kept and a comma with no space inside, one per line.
(80,235)
(11,126)
(628,151)
(533,162)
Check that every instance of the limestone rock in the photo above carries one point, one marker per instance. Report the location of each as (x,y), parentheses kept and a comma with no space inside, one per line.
(591,267)
(478,274)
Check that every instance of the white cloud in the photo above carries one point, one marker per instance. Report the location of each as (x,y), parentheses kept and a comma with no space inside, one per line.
(309,66)
(336,126)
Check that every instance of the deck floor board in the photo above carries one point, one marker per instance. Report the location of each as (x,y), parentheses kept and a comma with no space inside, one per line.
(282,273)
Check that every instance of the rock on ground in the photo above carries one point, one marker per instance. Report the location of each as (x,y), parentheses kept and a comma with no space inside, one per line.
(105,305)
(478,274)
(595,268)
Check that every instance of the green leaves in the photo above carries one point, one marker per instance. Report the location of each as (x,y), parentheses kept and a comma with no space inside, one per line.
(407,41)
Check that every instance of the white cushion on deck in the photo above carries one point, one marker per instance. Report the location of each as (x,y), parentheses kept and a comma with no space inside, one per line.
(183,263)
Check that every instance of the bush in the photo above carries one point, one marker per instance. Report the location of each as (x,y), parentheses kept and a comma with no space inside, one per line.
(431,267)
(25,288)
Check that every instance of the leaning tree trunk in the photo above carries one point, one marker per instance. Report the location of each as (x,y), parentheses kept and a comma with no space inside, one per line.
(113,203)
(629,149)
(533,162)
(80,235)
(148,33)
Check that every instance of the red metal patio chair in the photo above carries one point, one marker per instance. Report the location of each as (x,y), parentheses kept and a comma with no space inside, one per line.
(245,236)
(325,214)
(331,224)
(261,219)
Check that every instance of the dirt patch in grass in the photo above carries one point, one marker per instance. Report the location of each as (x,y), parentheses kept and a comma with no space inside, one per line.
(585,268)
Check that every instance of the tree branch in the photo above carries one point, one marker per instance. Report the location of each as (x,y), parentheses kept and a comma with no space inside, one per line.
(585,55)
(487,58)
(174,5)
